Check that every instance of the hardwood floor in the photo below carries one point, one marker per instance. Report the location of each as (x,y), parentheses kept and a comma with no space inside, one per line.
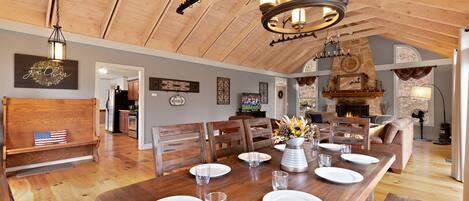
(426,176)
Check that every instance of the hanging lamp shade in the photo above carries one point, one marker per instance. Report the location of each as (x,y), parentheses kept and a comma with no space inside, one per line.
(57,45)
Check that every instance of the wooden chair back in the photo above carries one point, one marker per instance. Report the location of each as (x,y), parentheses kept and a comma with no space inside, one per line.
(354,131)
(178,146)
(230,139)
(258,133)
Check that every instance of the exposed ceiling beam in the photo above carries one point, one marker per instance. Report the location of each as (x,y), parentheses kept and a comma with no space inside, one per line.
(227,21)
(195,24)
(296,62)
(434,14)
(110,15)
(150,30)
(452,5)
(220,56)
(419,43)
(50,7)
(416,31)
(436,27)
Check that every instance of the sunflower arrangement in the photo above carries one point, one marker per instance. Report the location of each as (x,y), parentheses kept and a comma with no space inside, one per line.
(294,127)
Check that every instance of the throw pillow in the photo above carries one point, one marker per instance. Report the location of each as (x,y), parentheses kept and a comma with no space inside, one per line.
(390,133)
(316,118)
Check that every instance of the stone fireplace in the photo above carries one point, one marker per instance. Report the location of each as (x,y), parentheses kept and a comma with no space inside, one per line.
(362,101)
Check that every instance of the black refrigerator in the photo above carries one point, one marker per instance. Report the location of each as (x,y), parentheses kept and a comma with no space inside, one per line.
(117,100)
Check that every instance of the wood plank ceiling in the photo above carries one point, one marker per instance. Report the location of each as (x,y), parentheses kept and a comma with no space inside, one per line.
(230,31)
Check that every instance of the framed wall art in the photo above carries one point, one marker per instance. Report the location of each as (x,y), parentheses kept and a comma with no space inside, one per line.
(352,82)
(264,91)
(39,72)
(163,84)
(223,91)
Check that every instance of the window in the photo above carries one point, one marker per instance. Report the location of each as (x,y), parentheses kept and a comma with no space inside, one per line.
(404,104)
(308,95)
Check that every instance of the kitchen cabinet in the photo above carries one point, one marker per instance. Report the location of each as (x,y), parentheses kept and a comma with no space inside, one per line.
(124,121)
(133,87)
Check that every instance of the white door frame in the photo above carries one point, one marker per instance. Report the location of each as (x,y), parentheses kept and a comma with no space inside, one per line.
(141,95)
(281,82)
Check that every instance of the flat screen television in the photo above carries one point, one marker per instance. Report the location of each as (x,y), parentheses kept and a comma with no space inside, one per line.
(250,102)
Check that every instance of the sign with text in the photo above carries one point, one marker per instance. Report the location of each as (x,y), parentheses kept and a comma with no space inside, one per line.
(39,72)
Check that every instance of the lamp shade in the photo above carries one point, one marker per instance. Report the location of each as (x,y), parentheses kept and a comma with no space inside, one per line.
(421,92)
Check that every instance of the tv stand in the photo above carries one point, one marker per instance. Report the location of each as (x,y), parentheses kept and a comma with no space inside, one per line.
(257,114)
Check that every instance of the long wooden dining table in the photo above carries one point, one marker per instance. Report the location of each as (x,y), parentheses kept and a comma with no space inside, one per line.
(251,184)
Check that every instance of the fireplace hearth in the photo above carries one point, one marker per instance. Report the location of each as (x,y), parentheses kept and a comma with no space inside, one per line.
(356,110)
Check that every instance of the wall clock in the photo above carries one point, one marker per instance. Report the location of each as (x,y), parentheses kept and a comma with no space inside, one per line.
(350,64)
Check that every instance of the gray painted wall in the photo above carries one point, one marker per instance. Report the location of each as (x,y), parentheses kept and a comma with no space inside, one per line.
(383,53)
(200,107)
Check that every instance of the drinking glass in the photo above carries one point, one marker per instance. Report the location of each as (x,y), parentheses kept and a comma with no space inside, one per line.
(254,159)
(279,180)
(325,160)
(216,196)
(346,149)
(202,174)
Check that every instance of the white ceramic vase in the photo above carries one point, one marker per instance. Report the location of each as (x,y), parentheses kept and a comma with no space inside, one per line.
(294,158)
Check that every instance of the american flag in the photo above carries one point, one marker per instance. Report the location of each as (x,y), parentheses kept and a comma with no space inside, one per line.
(50,137)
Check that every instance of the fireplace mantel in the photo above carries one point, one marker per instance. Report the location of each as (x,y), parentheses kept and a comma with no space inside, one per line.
(353,94)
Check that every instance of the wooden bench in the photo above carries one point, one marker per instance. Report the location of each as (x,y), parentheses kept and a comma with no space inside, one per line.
(23,117)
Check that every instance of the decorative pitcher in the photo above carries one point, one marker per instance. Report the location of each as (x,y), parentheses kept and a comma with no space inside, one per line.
(294,158)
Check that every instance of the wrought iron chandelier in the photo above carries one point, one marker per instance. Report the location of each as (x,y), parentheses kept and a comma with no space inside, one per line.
(289,17)
(57,42)
(338,51)
(185,4)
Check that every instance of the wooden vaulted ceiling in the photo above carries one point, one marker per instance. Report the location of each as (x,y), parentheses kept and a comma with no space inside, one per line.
(230,30)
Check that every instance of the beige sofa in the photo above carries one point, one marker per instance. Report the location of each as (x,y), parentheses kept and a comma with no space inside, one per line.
(397,138)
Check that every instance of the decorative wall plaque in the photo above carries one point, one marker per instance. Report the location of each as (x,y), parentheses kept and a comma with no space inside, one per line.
(223,91)
(163,84)
(352,82)
(350,64)
(39,72)
(177,100)
(264,91)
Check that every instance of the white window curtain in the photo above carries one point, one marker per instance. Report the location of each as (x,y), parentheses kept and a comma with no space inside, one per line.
(460,113)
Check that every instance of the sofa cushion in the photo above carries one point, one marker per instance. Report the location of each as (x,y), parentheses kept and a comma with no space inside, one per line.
(376,140)
(316,118)
(390,132)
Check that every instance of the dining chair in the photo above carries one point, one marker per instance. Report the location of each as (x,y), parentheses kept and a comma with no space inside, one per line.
(178,146)
(223,143)
(258,133)
(351,130)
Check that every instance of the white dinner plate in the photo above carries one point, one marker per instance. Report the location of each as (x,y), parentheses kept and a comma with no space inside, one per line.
(180,198)
(216,170)
(339,175)
(280,147)
(359,158)
(262,156)
(289,195)
(330,146)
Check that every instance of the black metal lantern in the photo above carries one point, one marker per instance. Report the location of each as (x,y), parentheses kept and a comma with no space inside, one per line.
(57,42)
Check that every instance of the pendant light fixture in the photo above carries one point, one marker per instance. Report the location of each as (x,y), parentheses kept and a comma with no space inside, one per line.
(57,43)
(289,18)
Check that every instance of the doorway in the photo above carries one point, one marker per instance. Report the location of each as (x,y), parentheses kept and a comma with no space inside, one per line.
(280,101)
(119,90)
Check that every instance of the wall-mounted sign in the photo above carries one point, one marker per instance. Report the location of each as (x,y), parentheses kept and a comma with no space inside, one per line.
(264,91)
(39,72)
(223,91)
(163,84)
(177,100)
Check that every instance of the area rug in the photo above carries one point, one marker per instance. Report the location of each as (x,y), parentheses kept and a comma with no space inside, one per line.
(43,170)
(393,197)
